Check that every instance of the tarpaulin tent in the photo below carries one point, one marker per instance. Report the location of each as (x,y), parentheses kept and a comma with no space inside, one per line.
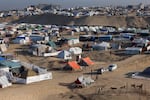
(133,50)
(146,72)
(65,55)
(101,46)
(86,61)
(10,64)
(84,81)
(51,43)
(75,50)
(72,65)
(4,82)
(73,41)
(106,38)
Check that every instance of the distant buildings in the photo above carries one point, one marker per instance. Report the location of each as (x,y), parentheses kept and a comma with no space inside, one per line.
(139,10)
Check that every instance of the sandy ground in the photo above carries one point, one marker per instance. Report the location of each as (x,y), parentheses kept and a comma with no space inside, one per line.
(58,88)
(118,21)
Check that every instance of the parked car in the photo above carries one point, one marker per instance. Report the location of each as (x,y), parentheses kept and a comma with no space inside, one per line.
(112,67)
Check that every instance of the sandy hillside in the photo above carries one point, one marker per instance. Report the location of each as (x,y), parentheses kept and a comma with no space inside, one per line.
(118,21)
(8,19)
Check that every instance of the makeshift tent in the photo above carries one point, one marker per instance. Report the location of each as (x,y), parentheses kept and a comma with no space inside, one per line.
(85,81)
(39,49)
(4,81)
(22,39)
(65,55)
(133,50)
(127,35)
(86,61)
(146,72)
(101,46)
(3,47)
(141,41)
(105,38)
(33,74)
(73,41)
(72,65)
(10,64)
(51,43)
(35,38)
(75,50)
(86,38)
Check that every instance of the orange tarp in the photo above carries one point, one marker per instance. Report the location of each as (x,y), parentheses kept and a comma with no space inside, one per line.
(88,61)
(74,65)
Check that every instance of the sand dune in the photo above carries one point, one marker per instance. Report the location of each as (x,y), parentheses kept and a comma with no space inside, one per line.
(118,21)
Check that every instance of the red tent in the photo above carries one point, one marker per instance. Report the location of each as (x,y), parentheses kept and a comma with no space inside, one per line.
(87,61)
(74,65)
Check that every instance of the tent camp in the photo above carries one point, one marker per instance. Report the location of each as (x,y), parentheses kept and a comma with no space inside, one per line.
(72,65)
(86,61)
(64,55)
(75,50)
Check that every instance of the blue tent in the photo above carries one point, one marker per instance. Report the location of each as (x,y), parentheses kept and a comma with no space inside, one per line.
(2,59)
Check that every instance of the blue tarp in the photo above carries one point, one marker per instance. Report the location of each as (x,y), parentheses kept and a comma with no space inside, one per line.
(10,64)
(2,59)
(17,40)
(36,38)
(105,38)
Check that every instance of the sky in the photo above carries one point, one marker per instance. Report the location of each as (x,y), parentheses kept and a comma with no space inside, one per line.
(20,4)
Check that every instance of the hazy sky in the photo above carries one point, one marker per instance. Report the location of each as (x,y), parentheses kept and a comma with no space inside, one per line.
(14,4)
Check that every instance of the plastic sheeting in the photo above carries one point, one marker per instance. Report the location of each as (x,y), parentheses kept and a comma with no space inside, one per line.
(4,82)
(75,50)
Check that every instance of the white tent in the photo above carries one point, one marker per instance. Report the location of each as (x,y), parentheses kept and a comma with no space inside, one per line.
(65,55)
(92,29)
(3,47)
(4,81)
(101,46)
(141,41)
(85,80)
(75,50)
(73,41)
